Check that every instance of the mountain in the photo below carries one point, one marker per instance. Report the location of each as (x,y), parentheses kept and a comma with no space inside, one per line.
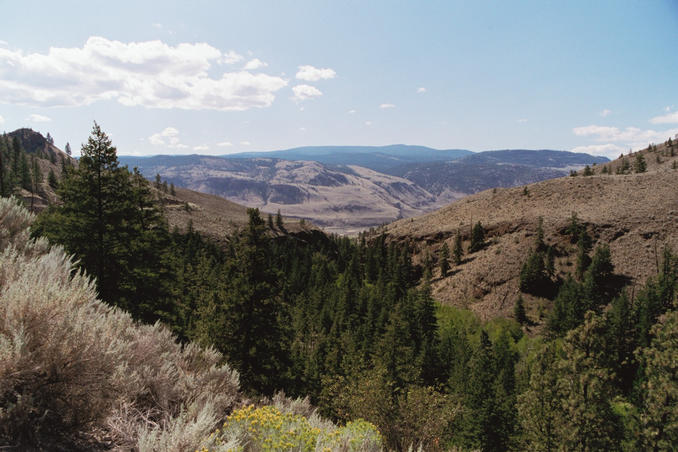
(341,199)
(635,213)
(48,159)
(452,180)
(377,158)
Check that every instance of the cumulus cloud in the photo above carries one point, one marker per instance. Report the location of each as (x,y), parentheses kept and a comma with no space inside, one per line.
(608,150)
(606,112)
(38,118)
(2,120)
(313,74)
(150,74)
(254,64)
(305,92)
(368,123)
(168,137)
(202,147)
(224,144)
(351,112)
(521,120)
(421,90)
(668,118)
(385,106)
(245,143)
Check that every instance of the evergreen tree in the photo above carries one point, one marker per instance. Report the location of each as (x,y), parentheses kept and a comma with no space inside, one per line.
(52,179)
(279,221)
(583,259)
(444,260)
(244,320)
(458,250)
(659,409)
(588,171)
(539,406)
(519,311)
(586,419)
(477,238)
(173,191)
(115,234)
(640,165)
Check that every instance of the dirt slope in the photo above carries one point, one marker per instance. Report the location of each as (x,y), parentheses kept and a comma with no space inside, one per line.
(637,214)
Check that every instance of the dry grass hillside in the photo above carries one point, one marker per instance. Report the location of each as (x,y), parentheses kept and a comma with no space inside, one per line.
(637,214)
(212,215)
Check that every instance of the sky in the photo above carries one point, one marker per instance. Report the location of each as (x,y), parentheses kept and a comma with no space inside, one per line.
(219,77)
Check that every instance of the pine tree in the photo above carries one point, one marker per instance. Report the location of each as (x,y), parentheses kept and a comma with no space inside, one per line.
(539,406)
(279,222)
(111,226)
(519,311)
(588,171)
(444,260)
(640,165)
(458,250)
(52,179)
(587,421)
(477,238)
(659,410)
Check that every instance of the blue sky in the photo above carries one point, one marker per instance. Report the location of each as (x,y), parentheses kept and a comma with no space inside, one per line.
(218,77)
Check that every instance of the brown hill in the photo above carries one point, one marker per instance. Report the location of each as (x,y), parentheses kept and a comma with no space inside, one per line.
(637,214)
(212,215)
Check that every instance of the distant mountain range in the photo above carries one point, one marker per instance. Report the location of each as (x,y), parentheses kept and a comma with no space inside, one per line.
(377,158)
(349,188)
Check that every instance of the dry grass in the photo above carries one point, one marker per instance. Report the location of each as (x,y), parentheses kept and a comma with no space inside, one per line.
(637,214)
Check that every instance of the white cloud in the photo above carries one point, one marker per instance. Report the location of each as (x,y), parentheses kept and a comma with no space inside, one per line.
(606,112)
(231,57)
(421,90)
(38,118)
(368,123)
(351,112)
(305,92)
(245,143)
(2,120)
(202,147)
(150,74)
(168,137)
(632,136)
(302,129)
(313,74)
(224,144)
(384,106)
(157,26)
(521,120)
(668,118)
(609,150)
(254,64)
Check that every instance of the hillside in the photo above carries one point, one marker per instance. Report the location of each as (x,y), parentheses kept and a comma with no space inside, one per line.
(454,179)
(346,199)
(48,158)
(637,214)
(349,198)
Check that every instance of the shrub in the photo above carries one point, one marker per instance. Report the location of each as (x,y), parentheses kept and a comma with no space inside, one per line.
(267,428)
(76,373)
